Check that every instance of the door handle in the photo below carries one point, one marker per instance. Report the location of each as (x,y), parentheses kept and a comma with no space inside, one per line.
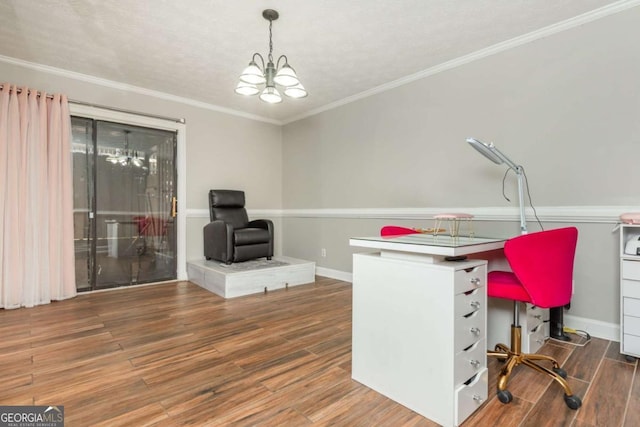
(174,207)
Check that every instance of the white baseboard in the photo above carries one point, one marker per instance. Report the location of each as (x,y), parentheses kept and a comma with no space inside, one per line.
(595,328)
(334,274)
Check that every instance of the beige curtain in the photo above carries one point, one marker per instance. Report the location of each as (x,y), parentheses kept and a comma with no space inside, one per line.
(36,199)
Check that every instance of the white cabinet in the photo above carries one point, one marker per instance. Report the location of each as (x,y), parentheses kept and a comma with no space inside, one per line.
(534,323)
(419,333)
(629,290)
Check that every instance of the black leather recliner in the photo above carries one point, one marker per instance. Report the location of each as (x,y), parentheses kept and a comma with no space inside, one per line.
(230,236)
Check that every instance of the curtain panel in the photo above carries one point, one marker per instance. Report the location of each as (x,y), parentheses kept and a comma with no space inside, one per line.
(36,198)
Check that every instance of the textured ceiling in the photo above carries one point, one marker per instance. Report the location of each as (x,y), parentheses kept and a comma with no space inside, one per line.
(196,49)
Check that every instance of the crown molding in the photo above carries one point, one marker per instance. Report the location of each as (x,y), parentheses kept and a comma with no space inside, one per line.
(480,54)
(131,88)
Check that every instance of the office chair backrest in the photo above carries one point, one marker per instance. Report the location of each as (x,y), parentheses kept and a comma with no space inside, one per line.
(543,263)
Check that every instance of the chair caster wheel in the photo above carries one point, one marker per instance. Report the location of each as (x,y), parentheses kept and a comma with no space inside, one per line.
(573,402)
(630,359)
(505,396)
(560,372)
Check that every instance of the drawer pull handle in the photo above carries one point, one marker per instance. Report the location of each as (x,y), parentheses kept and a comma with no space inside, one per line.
(475,331)
(478,398)
(537,316)
(475,363)
(475,281)
(475,304)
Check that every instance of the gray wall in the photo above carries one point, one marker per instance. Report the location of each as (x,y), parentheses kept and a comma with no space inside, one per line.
(223,151)
(566,107)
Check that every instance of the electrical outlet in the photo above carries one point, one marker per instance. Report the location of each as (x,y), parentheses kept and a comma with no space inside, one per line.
(323,252)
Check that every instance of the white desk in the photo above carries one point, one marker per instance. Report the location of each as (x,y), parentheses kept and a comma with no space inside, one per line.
(419,323)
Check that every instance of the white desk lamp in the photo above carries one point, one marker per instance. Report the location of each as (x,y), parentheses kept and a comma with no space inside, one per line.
(496,156)
(492,153)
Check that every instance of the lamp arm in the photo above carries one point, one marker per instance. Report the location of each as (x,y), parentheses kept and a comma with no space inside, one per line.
(261,59)
(523,217)
(520,175)
(286,61)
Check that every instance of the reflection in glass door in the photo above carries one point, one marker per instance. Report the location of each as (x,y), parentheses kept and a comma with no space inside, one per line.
(124,204)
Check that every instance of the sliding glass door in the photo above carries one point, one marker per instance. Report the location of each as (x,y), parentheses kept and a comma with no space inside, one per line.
(124,204)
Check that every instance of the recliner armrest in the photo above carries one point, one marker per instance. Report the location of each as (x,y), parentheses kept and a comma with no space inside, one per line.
(266,224)
(218,241)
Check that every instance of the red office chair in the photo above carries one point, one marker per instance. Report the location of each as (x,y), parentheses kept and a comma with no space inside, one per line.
(394,230)
(542,265)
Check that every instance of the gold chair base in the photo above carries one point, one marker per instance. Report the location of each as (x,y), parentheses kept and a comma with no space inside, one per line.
(513,357)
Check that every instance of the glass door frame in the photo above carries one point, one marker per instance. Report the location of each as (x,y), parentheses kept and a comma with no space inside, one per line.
(98,113)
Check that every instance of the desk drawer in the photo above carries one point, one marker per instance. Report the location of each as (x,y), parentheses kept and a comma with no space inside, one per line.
(630,270)
(631,325)
(631,345)
(536,338)
(470,396)
(470,301)
(469,362)
(469,330)
(535,316)
(631,306)
(630,288)
(467,280)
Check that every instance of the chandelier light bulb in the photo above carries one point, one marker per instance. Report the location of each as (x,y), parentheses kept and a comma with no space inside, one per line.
(271,95)
(248,89)
(297,91)
(253,74)
(286,76)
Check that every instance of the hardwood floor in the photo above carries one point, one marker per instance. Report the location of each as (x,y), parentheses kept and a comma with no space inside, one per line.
(175,354)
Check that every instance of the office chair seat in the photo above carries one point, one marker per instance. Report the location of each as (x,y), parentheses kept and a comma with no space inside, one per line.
(542,265)
(506,285)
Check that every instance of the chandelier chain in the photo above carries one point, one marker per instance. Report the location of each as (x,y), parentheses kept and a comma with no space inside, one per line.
(270,41)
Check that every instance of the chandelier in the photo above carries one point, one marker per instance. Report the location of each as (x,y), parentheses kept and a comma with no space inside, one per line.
(253,76)
(126,157)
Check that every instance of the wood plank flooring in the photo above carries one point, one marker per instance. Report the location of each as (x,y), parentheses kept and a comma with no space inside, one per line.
(177,355)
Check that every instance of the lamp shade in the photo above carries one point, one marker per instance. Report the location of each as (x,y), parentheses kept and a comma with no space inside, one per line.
(487,150)
(297,91)
(253,74)
(245,88)
(271,95)
(286,76)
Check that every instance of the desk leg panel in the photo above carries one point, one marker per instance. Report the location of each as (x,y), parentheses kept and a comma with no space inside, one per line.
(403,335)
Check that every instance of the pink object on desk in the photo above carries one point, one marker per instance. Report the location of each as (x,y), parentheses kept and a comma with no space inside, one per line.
(394,230)
(630,218)
(453,219)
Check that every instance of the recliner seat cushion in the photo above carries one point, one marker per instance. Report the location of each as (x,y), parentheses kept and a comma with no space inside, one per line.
(250,236)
